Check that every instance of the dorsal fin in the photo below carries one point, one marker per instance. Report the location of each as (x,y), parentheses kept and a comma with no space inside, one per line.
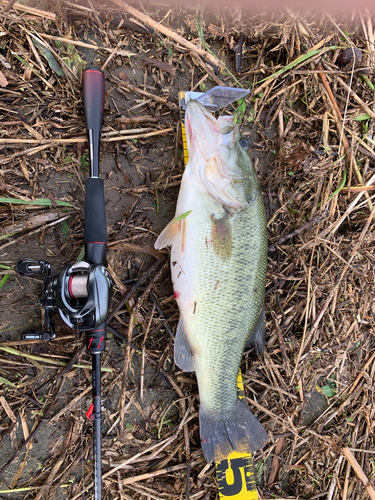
(257,338)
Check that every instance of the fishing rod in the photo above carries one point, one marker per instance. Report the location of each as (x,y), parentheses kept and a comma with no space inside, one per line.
(81,293)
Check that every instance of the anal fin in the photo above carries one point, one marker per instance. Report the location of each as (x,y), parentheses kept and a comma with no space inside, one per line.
(183,354)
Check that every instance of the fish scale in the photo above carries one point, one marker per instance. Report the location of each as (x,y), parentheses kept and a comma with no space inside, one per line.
(229,313)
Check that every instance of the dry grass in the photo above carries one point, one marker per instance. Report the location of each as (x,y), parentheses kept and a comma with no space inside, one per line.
(311,108)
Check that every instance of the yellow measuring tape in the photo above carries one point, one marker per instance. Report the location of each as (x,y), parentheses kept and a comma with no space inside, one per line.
(181,95)
(235,474)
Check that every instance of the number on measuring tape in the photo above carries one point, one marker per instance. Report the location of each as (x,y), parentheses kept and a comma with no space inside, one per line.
(235,475)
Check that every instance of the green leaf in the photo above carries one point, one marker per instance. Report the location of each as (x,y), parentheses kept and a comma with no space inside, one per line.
(361,118)
(367,80)
(74,60)
(242,107)
(81,255)
(251,117)
(53,64)
(328,391)
(239,111)
(3,280)
(182,216)
(85,162)
(7,382)
(44,202)
(299,60)
(64,229)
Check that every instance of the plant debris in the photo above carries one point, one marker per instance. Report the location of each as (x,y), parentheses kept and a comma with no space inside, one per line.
(309,122)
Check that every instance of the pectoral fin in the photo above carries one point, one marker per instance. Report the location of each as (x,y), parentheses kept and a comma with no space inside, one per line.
(169,234)
(183,354)
(221,235)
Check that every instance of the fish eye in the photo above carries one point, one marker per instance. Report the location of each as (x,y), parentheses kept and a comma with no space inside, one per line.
(244,143)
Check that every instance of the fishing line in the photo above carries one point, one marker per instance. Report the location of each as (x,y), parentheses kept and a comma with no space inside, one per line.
(83,420)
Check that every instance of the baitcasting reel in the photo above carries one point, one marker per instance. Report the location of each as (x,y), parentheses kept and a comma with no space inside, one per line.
(80,294)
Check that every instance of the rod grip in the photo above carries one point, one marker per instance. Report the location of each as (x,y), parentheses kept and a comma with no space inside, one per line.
(93,98)
(95,233)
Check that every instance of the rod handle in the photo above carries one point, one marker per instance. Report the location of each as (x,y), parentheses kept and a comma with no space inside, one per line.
(93,98)
(95,233)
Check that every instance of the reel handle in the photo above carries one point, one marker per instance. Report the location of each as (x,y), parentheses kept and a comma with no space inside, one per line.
(45,336)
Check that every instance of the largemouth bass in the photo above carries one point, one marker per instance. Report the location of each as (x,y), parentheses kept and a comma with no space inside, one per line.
(218,262)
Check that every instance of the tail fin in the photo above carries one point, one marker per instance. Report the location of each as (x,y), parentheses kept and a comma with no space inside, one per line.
(237,430)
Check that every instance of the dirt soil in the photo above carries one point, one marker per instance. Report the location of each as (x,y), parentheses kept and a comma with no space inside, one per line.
(312,388)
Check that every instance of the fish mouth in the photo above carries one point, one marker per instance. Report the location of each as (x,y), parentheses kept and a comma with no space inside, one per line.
(195,111)
(201,127)
(213,154)
(204,133)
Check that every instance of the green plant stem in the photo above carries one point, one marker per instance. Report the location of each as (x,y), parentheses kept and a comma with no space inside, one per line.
(199,26)
(300,59)
(3,280)
(340,186)
(43,202)
(29,488)
(367,80)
